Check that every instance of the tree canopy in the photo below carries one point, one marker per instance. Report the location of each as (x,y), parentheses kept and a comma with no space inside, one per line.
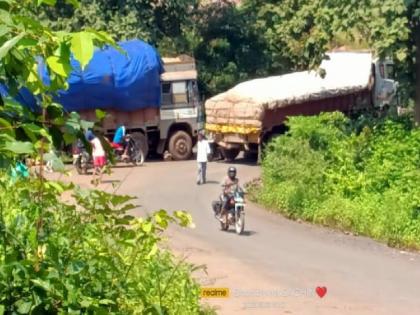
(236,42)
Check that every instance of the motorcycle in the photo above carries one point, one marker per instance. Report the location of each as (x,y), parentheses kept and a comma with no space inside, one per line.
(236,213)
(81,158)
(134,155)
(83,161)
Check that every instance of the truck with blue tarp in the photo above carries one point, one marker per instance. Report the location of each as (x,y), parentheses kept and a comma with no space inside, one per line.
(155,98)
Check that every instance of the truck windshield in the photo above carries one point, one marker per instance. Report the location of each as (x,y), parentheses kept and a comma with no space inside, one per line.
(179,90)
(389,71)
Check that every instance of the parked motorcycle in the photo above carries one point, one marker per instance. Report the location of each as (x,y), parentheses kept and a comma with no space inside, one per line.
(81,158)
(235,215)
(83,161)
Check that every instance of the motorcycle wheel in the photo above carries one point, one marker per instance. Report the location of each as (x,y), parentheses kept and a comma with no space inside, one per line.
(138,157)
(81,170)
(82,165)
(240,224)
(78,166)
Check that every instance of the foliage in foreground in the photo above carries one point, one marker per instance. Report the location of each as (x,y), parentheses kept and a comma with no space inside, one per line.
(58,258)
(362,177)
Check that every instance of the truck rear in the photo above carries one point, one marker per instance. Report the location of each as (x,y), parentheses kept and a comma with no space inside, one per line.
(252,112)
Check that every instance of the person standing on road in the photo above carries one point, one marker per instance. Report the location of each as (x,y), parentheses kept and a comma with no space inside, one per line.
(203,150)
(99,158)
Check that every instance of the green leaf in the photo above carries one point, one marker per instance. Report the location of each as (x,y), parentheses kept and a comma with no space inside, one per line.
(74,3)
(162,218)
(154,310)
(102,36)
(185,219)
(82,47)
(86,302)
(5,18)
(100,114)
(152,252)
(48,2)
(57,186)
(32,131)
(147,227)
(401,55)
(59,66)
(4,30)
(57,163)
(1,309)
(86,124)
(19,147)
(76,267)
(27,42)
(5,48)
(6,127)
(42,284)
(23,307)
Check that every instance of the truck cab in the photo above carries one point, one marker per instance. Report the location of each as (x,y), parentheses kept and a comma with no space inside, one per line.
(173,126)
(385,86)
(181,107)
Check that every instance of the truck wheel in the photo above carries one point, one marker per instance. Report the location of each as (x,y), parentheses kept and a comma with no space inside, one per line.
(230,154)
(141,141)
(251,156)
(180,145)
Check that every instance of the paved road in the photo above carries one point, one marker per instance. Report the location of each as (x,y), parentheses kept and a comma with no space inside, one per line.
(275,267)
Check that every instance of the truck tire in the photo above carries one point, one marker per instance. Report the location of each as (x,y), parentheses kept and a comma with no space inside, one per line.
(251,156)
(230,154)
(214,152)
(141,140)
(180,145)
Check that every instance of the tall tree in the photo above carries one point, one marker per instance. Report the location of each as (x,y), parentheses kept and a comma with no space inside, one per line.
(303,30)
(153,21)
(227,47)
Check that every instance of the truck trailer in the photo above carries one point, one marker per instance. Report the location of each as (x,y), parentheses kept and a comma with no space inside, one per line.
(248,115)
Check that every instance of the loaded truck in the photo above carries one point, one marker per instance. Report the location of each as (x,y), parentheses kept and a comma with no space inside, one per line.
(155,98)
(248,115)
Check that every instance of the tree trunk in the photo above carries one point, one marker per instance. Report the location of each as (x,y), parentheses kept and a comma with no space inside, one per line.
(417,71)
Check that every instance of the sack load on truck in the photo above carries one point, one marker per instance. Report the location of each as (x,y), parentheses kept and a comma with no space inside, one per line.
(250,113)
(242,108)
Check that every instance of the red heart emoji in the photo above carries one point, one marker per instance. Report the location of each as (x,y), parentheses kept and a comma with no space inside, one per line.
(321,291)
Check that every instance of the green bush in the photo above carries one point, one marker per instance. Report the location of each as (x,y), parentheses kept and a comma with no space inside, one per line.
(362,176)
(86,256)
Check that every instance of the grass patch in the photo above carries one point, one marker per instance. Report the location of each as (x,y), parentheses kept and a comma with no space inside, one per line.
(361,176)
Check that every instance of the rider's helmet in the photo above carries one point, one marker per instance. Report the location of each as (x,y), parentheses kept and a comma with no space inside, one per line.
(232,172)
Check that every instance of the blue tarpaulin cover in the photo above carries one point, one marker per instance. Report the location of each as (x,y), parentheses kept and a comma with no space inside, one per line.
(126,81)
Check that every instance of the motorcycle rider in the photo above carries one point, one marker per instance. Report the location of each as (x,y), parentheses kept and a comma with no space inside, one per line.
(118,141)
(230,184)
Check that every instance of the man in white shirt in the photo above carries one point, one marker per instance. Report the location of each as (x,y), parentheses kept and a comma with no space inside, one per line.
(203,150)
